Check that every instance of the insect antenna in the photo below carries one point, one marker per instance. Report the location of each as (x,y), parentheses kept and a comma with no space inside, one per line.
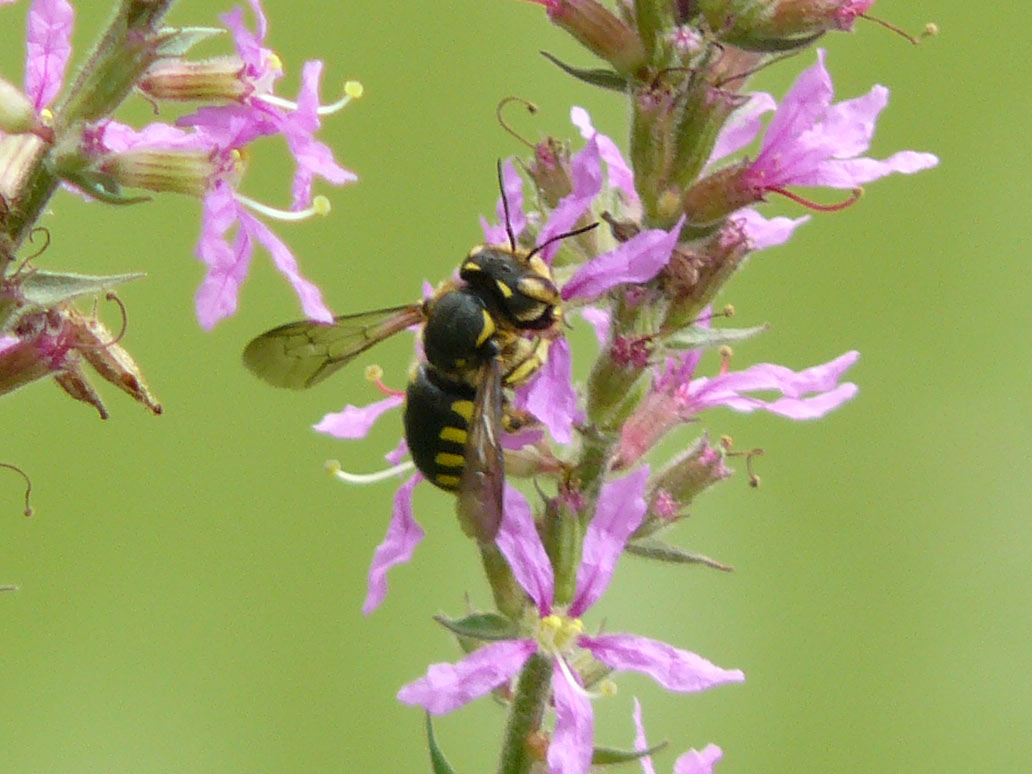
(505,207)
(557,237)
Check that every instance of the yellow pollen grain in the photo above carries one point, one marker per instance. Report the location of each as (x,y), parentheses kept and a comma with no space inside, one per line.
(504,289)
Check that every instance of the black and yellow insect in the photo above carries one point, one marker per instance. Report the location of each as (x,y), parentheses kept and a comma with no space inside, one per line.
(489,330)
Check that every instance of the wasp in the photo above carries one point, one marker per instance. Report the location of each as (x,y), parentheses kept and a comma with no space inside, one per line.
(487,331)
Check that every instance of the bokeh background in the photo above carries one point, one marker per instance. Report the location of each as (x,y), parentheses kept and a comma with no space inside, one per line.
(190,584)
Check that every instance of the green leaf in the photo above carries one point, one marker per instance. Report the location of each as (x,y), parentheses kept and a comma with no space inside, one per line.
(437,760)
(176,41)
(606,79)
(607,756)
(49,288)
(771,45)
(650,548)
(480,626)
(698,337)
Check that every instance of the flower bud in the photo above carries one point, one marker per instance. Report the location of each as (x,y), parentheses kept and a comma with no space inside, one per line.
(550,171)
(217,79)
(685,477)
(779,25)
(17,113)
(600,31)
(182,171)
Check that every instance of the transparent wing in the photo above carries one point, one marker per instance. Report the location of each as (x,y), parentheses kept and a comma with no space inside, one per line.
(300,354)
(481,488)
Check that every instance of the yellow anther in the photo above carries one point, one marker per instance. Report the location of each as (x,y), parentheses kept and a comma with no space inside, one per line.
(608,688)
(46,115)
(321,205)
(551,622)
(332,467)
(354,89)
(273,62)
(374,373)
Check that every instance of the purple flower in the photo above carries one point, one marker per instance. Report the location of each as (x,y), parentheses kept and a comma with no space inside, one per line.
(558,634)
(692,762)
(676,397)
(811,142)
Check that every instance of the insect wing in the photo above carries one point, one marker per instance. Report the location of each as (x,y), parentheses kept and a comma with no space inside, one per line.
(300,354)
(481,487)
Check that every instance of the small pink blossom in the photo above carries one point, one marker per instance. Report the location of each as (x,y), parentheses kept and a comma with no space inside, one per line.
(812,142)
(692,762)
(621,507)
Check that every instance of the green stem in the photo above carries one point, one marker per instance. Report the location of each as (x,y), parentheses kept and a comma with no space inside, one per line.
(118,59)
(528,707)
(508,595)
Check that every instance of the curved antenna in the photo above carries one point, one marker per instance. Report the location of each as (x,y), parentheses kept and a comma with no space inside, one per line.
(557,237)
(505,207)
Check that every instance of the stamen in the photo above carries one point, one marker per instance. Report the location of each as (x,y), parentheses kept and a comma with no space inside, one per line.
(931,29)
(28,489)
(726,353)
(125,322)
(374,374)
(320,206)
(577,687)
(857,193)
(727,311)
(333,468)
(754,480)
(531,108)
(742,75)
(352,91)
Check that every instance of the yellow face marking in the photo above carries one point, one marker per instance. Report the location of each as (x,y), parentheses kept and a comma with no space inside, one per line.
(464,408)
(488,330)
(539,289)
(504,289)
(453,434)
(470,266)
(449,460)
(538,266)
(448,482)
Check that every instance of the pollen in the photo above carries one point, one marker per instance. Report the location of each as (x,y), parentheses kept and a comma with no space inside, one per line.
(46,115)
(354,89)
(321,205)
(273,62)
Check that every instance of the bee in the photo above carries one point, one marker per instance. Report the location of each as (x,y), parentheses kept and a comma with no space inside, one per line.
(485,332)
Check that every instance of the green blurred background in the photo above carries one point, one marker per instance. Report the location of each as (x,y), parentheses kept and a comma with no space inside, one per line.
(190,584)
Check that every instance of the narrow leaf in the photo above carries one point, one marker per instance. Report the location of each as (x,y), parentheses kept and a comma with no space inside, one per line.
(650,548)
(176,41)
(608,756)
(480,626)
(698,337)
(49,288)
(606,79)
(437,760)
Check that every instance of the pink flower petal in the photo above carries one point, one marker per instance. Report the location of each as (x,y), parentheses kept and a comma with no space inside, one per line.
(586,171)
(762,232)
(312,303)
(48,46)
(848,173)
(640,741)
(742,127)
(698,762)
(673,668)
(570,749)
(621,507)
(403,535)
(356,421)
(792,384)
(620,175)
(639,259)
(601,320)
(801,108)
(550,396)
(446,687)
(227,266)
(519,542)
